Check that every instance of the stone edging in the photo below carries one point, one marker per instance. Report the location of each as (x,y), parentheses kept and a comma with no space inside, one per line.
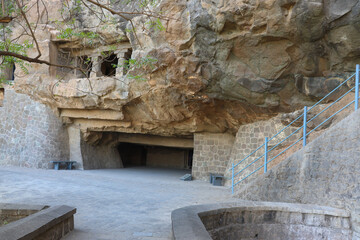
(40,224)
(186,222)
(21,207)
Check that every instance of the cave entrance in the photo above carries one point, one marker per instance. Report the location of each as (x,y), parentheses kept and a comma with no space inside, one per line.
(155,156)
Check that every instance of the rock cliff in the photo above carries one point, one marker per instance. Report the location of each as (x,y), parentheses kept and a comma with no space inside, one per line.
(220,64)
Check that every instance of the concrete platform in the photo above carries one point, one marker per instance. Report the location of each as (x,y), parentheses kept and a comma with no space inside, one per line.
(130,203)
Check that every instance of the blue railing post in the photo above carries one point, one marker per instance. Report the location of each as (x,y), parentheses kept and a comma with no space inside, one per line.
(266,155)
(232,178)
(305,123)
(357,87)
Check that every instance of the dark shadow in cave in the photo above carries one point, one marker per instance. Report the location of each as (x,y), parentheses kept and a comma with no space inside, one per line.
(155,156)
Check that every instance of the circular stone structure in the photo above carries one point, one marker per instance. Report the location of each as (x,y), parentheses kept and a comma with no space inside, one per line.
(260,220)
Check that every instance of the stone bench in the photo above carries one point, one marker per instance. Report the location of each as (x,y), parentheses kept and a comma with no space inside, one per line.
(68,164)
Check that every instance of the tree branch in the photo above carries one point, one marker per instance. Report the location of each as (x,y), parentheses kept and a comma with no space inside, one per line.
(31,31)
(33,60)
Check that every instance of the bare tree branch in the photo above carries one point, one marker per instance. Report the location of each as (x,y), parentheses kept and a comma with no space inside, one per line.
(29,26)
(34,60)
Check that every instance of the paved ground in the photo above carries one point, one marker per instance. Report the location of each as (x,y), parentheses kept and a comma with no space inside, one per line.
(131,203)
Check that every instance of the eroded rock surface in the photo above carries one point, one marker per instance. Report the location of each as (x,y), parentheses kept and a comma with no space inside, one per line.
(220,64)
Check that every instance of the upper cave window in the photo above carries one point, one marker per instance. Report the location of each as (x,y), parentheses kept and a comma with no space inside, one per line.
(88,63)
(12,72)
(109,64)
(73,63)
(2,93)
(64,58)
(8,72)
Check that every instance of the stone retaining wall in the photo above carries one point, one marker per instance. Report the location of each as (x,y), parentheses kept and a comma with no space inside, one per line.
(211,154)
(251,136)
(30,133)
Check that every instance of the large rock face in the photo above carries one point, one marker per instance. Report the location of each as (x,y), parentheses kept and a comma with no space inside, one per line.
(220,64)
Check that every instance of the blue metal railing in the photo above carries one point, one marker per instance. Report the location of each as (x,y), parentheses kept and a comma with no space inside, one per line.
(265,146)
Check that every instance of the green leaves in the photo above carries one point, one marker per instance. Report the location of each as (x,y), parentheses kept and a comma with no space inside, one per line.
(73,7)
(155,25)
(8,61)
(68,33)
(138,66)
(9,8)
(144,62)
(146,3)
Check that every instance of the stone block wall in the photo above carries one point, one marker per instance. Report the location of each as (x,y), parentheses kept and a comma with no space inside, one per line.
(211,154)
(31,135)
(251,136)
(326,172)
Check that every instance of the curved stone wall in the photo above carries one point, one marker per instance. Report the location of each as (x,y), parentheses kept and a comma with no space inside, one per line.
(30,133)
(260,220)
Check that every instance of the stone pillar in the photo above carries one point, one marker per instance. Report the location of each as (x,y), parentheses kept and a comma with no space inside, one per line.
(96,67)
(120,68)
(75,147)
(77,63)
(53,55)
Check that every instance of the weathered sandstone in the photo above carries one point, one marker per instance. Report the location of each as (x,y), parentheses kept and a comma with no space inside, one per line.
(220,64)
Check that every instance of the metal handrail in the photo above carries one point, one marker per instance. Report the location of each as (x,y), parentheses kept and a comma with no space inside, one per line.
(250,155)
(285,139)
(286,127)
(330,117)
(286,149)
(327,95)
(249,165)
(304,127)
(249,174)
(331,104)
